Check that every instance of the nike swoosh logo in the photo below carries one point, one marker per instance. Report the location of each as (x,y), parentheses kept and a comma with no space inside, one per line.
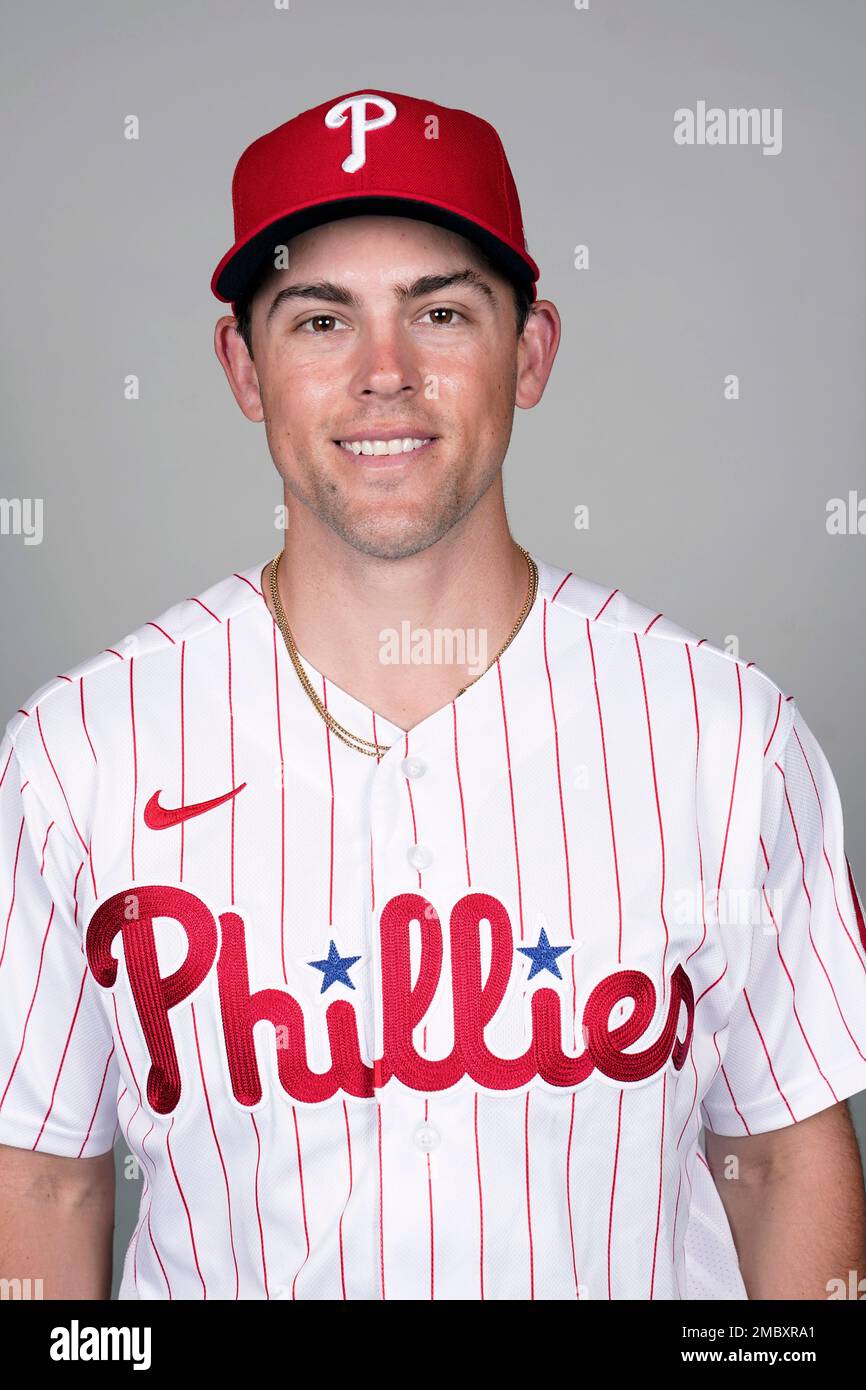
(158,817)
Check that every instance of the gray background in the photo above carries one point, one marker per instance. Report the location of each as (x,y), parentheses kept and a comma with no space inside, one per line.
(703,261)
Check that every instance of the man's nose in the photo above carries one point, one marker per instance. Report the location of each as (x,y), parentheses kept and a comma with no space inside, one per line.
(387,365)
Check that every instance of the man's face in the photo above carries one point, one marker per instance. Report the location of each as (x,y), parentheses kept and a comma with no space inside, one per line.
(384,330)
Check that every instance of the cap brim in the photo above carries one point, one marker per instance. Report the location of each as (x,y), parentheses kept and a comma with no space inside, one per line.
(240,267)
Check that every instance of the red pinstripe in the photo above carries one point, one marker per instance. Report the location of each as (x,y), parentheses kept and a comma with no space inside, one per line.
(331,845)
(378,1106)
(676,1214)
(607,787)
(568,1199)
(570,919)
(57,778)
(232,896)
(694,1094)
(775,723)
(330,923)
(182,751)
(561,586)
(6,764)
(231,752)
(98,1099)
(411,801)
(716,981)
(652,623)
(658,813)
(14,877)
(83,718)
(62,1059)
(303,1199)
(842,921)
(157,1254)
(794,996)
(218,1149)
(612,1192)
(348,1196)
(75,897)
(162,630)
(30,1010)
(381,1198)
(185,1204)
(734,778)
(143,1147)
(480,1200)
(767,1054)
(90,866)
(697,817)
(689,1176)
(372,884)
(430,1202)
(730,1092)
(610,596)
(528,1197)
(44,845)
(206,609)
(258,1208)
(424,1049)
(809,899)
(661,1175)
(460,792)
(134,767)
(475,1097)
(511,794)
(282,806)
(558,775)
(855,899)
(254,587)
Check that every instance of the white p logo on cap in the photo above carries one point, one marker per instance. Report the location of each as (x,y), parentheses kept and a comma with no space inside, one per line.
(357,107)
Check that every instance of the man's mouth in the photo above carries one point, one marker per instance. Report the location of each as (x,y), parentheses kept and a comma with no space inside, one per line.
(379,448)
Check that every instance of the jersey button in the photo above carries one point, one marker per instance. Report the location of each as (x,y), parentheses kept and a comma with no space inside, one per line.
(413,767)
(419,856)
(426,1137)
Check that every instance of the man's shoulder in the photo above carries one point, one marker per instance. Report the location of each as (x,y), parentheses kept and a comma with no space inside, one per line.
(106,676)
(687,662)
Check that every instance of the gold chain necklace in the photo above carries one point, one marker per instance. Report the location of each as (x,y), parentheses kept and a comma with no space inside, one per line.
(364,745)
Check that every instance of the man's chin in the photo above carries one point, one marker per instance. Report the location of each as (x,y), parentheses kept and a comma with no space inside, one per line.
(391,538)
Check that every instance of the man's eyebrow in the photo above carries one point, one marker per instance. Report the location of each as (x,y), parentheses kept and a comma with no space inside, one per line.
(339,294)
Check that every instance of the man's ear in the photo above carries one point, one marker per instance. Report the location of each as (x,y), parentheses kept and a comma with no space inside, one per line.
(239,368)
(536,351)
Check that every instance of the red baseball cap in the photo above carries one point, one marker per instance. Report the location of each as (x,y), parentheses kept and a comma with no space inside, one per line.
(374,152)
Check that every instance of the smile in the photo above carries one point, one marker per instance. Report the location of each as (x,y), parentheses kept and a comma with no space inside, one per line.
(383,446)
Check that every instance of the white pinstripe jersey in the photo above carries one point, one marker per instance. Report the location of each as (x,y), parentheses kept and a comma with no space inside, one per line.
(442,1025)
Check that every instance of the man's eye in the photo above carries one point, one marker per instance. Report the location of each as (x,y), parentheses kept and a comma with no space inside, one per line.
(317,320)
(454,314)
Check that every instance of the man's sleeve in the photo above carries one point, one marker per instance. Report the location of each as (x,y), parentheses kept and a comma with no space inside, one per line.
(58,1067)
(797,1037)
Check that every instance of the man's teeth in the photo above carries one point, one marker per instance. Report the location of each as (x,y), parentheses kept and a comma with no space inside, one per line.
(383,446)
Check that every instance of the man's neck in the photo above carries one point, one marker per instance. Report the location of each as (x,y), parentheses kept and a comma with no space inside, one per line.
(402,636)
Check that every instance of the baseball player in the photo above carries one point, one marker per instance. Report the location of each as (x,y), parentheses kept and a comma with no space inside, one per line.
(430,921)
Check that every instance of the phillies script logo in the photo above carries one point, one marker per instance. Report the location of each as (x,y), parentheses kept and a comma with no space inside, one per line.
(475,1001)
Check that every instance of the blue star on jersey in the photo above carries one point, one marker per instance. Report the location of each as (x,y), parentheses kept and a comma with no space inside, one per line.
(335,968)
(543,956)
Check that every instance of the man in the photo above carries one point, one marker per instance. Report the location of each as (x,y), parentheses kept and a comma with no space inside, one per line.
(410,903)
